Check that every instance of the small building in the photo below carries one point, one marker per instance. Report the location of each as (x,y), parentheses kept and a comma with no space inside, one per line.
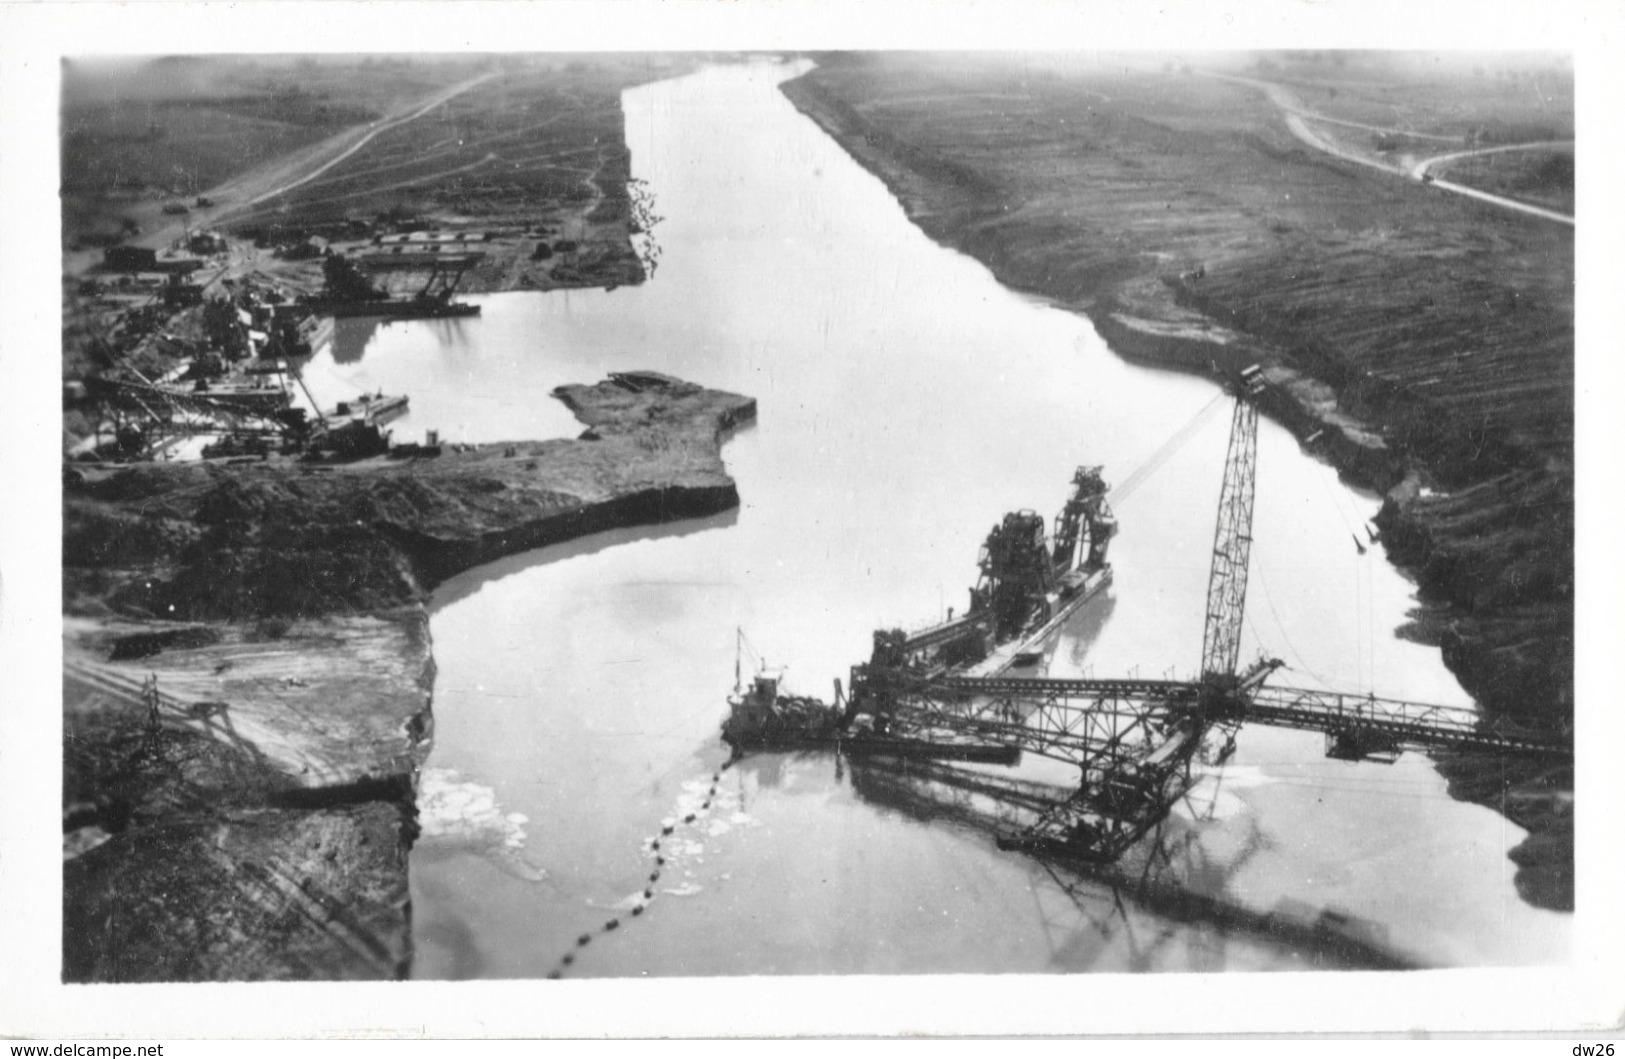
(130,259)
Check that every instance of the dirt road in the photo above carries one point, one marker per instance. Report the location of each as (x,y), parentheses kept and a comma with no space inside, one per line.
(1298,118)
(240,193)
(1419,171)
(366,137)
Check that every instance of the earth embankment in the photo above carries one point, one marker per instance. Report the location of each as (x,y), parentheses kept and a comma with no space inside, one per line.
(249,675)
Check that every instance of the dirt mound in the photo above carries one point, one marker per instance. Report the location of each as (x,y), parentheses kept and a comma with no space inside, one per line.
(241,500)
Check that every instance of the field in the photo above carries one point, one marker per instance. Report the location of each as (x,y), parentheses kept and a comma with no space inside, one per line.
(170,129)
(1522,98)
(534,157)
(1545,178)
(1084,186)
(281,149)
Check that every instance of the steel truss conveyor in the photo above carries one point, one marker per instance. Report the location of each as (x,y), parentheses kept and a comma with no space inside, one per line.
(1398,723)
(1134,740)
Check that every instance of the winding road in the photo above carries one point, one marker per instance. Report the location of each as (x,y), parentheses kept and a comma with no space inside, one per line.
(1298,118)
(1420,169)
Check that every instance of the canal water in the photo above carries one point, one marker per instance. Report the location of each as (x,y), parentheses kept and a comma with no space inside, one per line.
(907,401)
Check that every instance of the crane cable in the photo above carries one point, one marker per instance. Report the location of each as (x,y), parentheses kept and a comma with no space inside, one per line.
(1290,646)
(1154,463)
(1365,631)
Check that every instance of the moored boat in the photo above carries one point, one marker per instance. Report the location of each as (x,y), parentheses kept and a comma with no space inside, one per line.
(371,409)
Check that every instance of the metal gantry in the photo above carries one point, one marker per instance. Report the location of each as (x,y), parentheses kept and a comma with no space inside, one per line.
(1133,740)
(1232,541)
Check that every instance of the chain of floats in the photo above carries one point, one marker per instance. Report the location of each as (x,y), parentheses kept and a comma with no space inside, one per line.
(568,959)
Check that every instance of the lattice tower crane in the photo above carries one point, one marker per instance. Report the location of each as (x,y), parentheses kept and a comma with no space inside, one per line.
(1134,740)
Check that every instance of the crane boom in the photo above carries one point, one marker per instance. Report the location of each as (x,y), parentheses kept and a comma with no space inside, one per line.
(1232,536)
(1135,741)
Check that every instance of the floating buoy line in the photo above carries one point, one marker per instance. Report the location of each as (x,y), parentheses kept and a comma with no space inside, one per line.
(646,897)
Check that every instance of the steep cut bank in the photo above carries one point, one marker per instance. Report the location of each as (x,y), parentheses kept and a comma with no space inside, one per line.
(248,675)
(1424,344)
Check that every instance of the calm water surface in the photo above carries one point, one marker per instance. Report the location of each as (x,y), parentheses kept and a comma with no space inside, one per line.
(906,402)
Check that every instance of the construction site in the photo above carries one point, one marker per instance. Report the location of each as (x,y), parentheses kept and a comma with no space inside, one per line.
(211,369)
(290,634)
(182,266)
(963,690)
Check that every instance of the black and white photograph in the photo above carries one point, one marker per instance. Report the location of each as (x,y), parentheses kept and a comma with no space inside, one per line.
(572,509)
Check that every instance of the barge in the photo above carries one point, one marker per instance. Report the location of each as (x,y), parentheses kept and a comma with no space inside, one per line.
(1030,584)
(761,719)
(419,308)
(372,409)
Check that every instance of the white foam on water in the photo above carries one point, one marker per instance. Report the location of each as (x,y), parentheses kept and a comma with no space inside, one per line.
(460,813)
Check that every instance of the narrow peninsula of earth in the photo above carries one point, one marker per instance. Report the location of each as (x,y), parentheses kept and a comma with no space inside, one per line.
(248,674)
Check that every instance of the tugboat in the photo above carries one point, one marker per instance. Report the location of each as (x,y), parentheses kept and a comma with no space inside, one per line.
(372,409)
(759,718)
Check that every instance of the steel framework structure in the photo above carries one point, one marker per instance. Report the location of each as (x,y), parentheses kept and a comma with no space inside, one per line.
(1134,740)
(1232,541)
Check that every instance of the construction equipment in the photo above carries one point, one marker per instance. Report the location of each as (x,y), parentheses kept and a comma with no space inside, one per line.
(1134,741)
(146,416)
(1026,588)
(448,276)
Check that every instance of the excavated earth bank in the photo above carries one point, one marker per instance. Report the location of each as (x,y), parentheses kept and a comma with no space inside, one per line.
(258,827)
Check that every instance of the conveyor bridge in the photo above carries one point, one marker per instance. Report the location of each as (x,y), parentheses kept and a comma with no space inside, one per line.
(1059,716)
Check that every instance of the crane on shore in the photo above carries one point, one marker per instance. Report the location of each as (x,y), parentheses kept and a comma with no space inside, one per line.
(1133,740)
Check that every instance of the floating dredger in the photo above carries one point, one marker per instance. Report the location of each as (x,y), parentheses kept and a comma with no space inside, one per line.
(1030,582)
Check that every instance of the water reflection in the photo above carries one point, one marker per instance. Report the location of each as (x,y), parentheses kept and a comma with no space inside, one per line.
(1067,653)
(1174,874)
(464,585)
(352,335)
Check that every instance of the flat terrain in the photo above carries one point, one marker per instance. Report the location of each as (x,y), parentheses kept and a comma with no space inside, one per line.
(1544,177)
(527,151)
(163,131)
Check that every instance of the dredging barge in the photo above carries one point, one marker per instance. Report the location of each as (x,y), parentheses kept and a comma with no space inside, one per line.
(432,307)
(1028,586)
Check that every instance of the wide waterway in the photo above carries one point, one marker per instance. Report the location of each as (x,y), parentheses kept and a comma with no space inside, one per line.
(906,402)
